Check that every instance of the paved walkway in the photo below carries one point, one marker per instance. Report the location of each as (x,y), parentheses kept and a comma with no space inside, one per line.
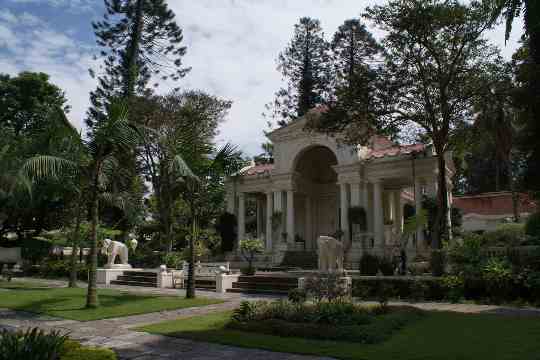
(117,333)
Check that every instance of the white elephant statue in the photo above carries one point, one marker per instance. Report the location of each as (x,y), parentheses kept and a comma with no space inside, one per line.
(114,249)
(331,253)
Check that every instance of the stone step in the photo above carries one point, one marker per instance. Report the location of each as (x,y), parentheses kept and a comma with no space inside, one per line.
(137,278)
(140,273)
(133,283)
(264,286)
(268,279)
(258,291)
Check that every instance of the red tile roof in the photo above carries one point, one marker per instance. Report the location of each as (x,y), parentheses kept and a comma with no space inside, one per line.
(395,150)
(259,169)
(495,203)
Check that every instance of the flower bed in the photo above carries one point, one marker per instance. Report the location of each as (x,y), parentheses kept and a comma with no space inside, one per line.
(338,321)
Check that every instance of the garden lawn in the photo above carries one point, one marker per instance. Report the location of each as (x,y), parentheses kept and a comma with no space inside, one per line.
(70,303)
(437,336)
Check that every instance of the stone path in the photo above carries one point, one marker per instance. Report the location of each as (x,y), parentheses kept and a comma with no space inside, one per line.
(117,333)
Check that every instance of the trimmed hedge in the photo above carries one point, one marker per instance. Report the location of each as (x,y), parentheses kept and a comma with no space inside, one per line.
(406,288)
(73,350)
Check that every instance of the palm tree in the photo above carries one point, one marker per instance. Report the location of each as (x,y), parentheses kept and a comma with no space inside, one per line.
(210,170)
(94,171)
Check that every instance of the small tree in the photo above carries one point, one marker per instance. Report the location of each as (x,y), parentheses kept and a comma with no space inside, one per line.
(250,248)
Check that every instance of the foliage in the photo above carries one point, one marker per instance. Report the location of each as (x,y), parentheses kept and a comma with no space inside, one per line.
(532,226)
(297,296)
(466,257)
(438,262)
(61,269)
(304,66)
(250,248)
(498,276)
(328,286)
(454,286)
(386,266)
(429,289)
(139,40)
(33,344)
(505,235)
(173,260)
(342,321)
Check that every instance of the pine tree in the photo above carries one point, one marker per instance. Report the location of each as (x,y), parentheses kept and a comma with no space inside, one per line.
(355,53)
(140,41)
(304,66)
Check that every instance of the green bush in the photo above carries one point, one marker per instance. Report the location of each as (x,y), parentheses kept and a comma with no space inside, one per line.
(369,265)
(297,296)
(532,226)
(329,286)
(377,329)
(403,288)
(61,269)
(386,266)
(438,262)
(454,287)
(497,274)
(33,344)
(173,260)
(505,235)
(466,257)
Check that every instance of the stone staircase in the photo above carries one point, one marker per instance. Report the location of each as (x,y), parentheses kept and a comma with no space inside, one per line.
(300,259)
(137,278)
(264,284)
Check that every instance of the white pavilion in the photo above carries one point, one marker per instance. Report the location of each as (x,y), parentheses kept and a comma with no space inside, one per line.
(314,182)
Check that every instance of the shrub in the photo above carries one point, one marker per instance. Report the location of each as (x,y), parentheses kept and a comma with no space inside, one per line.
(454,287)
(505,235)
(498,277)
(418,290)
(466,257)
(369,265)
(384,292)
(33,344)
(250,248)
(369,329)
(430,288)
(173,260)
(329,286)
(532,282)
(297,296)
(532,226)
(61,269)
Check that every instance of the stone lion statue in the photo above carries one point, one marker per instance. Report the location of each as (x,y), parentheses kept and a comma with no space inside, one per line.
(331,253)
(116,248)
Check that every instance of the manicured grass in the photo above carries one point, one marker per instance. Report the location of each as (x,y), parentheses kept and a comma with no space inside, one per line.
(437,336)
(69,303)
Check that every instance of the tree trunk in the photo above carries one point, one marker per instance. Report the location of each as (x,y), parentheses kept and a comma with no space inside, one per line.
(440,227)
(131,66)
(512,184)
(75,249)
(190,290)
(92,300)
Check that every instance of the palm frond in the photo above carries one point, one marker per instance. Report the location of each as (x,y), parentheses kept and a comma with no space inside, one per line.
(181,169)
(47,166)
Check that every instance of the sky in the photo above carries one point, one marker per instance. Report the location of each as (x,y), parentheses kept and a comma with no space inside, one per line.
(232,49)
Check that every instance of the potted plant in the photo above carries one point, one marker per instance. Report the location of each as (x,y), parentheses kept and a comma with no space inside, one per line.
(250,248)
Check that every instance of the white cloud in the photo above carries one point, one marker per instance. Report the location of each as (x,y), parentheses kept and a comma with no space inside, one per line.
(76,6)
(232,47)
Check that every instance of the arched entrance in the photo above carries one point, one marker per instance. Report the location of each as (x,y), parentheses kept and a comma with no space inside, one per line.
(317,194)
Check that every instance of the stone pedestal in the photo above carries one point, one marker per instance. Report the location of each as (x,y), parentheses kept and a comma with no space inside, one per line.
(224,282)
(105,276)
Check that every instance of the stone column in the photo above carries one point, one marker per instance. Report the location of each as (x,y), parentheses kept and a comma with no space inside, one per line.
(269,212)
(420,242)
(344,206)
(364,202)
(241,217)
(398,211)
(378,221)
(231,200)
(290,217)
(307,233)
(356,194)
(259,217)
